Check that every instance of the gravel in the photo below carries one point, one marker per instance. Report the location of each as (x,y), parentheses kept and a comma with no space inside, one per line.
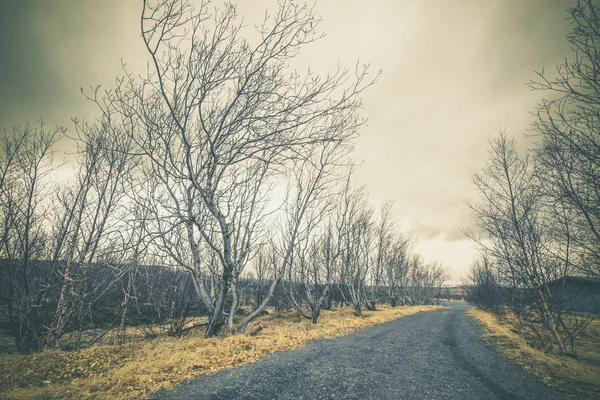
(433,355)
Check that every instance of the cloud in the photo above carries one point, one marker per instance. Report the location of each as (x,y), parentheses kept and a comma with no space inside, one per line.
(454,73)
(448,233)
(52,49)
(26,81)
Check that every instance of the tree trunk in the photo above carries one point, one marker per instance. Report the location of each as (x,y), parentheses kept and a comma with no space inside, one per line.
(315,315)
(233,307)
(244,324)
(121,333)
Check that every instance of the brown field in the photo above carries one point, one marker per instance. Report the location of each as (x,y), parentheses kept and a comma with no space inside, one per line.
(576,375)
(140,367)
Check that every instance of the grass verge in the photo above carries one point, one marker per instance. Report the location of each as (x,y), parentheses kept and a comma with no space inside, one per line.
(575,375)
(133,370)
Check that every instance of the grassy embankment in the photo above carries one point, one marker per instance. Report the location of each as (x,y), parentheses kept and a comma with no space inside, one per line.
(134,369)
(576,375)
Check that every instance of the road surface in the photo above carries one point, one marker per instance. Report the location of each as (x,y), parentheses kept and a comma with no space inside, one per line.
(433,355)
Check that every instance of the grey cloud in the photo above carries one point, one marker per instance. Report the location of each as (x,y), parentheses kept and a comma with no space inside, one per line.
(454,72)
(26,81)
(52,48)
(447,233)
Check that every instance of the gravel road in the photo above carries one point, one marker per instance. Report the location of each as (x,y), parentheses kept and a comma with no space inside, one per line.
(433,355)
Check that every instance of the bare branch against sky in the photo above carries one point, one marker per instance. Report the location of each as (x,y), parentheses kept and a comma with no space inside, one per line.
(454,72)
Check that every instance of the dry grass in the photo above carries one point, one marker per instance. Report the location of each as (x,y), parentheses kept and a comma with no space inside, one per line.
(577,376)
(135,369)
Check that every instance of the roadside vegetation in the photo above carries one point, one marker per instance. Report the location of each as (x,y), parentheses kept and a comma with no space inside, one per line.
(139,367)
(575,375)
(538,213)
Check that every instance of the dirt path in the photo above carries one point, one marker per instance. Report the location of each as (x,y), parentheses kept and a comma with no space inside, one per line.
(433,355)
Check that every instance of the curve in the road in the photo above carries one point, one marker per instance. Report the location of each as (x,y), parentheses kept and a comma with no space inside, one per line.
(433,355)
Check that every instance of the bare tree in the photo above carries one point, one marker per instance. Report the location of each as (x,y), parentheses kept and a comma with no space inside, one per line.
(397,264)
(312,272)
(569,138)
(385,231)
(218,119)
(511,216)
(314,178)
(25,162)
(357,253)
(541,220)
(264,262)
(483,288)
(84,226)
(136,246)
(432,276)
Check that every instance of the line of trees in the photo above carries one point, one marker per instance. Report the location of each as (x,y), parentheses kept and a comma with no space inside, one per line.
(539,214)
(219,179)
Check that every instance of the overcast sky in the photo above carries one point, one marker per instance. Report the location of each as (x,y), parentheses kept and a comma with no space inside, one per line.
(454,72)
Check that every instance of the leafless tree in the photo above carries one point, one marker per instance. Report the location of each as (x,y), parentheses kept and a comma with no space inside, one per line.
(358,248)
(84,223)
(483,287)
(218,118)
(263,266)
(312,272)
(385,230)
(136,243)
(432,276)
(541,219)
(314,177)
(569,138)
(517,241)
(397,266)
(26,163)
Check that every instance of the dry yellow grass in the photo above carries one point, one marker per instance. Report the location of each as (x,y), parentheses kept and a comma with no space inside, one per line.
(135,369)
(576,377)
